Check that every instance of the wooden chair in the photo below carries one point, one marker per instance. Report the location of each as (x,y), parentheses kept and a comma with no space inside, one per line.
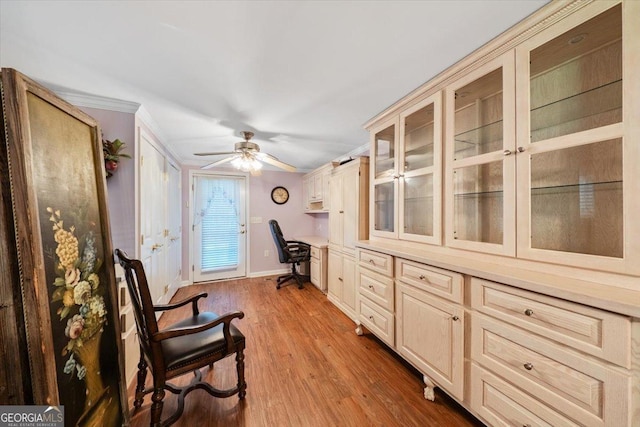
(187,346)
(289,251)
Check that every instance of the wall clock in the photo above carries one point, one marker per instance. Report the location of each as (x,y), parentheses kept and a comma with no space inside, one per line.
(279,195)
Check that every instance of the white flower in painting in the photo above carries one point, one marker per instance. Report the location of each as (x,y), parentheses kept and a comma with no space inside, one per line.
(82,292)
(94,280)
(96,304)
(71,277)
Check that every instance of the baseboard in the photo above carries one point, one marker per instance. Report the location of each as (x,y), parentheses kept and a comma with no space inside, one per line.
(269,273)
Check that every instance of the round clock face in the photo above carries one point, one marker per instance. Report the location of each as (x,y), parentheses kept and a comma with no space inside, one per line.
(279,195)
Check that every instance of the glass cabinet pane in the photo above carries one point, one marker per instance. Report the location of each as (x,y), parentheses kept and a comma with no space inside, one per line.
(383,206)
(478,203)
(478,117)
(418,205)
(576,199)
(576,78)
(418,139)
(385,148)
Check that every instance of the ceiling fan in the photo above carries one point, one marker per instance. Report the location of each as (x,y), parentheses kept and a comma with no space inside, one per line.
(247,156)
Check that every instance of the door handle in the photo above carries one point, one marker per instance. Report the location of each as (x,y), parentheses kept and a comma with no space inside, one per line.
(156,246)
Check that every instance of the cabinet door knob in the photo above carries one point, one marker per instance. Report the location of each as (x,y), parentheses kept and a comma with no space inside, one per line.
(371,318)
(341,211)
(520,149)
(370,286)
(340,278)
(455,318)
(421,277)
(528,366)
(507,152)
(528,312)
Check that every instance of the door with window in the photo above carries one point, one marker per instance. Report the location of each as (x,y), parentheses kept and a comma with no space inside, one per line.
(219,226)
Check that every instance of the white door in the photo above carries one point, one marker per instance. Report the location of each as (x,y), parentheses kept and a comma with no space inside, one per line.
(152,216)
(174,226)
(219,226)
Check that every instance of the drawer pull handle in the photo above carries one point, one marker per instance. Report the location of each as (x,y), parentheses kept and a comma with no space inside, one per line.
(372,262)
(526,425)
(528,366)
(528,312)
(371,318)
(370,286)
(421,277)
(455,318)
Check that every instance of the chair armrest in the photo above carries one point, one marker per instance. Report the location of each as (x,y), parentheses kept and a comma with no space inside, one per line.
(193,299)
(297,248)
(188,330)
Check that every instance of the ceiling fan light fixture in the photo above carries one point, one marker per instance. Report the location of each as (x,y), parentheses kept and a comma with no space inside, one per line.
(246,163)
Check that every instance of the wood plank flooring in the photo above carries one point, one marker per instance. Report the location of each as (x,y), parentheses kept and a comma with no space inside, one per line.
(305,366)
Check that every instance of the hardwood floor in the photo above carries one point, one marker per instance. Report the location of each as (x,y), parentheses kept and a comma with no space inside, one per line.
(305,366)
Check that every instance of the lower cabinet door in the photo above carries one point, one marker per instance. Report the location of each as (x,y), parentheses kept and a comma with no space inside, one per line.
(314,267)
(334,277)
(349,285)
(430,334)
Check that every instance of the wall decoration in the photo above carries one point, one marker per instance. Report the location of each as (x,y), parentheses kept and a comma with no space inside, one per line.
(63,254)
(112,151)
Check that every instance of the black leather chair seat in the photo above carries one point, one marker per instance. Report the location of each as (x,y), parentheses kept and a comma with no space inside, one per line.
(183,350)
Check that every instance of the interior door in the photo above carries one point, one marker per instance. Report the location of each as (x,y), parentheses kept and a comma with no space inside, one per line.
(174,226)
(219,226)
(152,216)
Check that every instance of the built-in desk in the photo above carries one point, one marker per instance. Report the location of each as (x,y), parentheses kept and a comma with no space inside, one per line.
(318,262)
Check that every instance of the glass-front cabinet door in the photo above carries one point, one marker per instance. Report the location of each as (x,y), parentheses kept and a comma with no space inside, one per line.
(576,161)
(480,159)
(419,182)
(384,179)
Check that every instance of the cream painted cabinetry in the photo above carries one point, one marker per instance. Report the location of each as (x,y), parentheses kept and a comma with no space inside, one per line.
(348,223)
(376,299)
(128,329)
(316,196)
(540,146)
(406,173)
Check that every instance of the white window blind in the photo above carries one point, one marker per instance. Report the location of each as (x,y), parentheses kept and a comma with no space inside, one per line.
(216,212)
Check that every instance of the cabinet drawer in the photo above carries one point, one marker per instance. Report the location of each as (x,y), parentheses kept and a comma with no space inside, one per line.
(444,283)
(376,261)
(378,321)
(315,252)
(596,332)
(377,288)
(579,387)
(503,405)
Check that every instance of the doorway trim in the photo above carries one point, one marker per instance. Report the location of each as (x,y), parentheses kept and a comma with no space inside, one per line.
(190,206)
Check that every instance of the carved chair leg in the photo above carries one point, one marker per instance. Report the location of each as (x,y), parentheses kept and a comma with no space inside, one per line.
(242,385)
(156,407)
(142,377)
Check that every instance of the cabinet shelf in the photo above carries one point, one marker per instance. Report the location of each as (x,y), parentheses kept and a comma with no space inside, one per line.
(483,139)
(596,107)
(574,188)
(479,194)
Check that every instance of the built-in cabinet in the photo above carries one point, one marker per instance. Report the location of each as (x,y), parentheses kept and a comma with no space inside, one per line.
(348,223)
(315,189)
(406,173)
(524,305)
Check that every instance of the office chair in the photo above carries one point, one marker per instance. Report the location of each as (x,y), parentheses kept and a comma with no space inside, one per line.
(199,340)
(290,252)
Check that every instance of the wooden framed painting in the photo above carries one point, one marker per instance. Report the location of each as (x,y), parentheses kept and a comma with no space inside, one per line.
(60,258)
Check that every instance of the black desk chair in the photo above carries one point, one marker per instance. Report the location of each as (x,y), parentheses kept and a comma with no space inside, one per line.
(290,252)
(186,346)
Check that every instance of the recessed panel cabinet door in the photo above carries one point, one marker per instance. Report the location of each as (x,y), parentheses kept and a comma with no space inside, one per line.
(430,333)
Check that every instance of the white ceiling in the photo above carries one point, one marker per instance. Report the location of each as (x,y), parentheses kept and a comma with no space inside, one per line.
(303,75)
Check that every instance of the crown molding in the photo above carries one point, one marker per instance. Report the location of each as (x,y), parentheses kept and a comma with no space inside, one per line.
(100,102)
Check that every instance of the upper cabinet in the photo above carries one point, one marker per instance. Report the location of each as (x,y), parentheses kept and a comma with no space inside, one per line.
(406,173)
(480,173)
(578,165)
(541,152)
(316,189)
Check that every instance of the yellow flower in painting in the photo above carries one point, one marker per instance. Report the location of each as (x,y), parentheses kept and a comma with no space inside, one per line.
(67,298)
(67,249)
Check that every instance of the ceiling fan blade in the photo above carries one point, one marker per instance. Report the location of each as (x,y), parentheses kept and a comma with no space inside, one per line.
(219,162)
(268,158)
(214,154)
